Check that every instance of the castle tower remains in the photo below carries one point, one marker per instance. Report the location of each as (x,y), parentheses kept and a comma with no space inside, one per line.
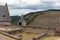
(4,15)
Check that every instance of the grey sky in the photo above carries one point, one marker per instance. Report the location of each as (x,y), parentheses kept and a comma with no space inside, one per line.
(16,7)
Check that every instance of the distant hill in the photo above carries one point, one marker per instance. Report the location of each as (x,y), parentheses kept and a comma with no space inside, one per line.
(53,10)
(14,20)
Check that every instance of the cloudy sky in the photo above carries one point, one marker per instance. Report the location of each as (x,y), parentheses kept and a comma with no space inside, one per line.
(17,7)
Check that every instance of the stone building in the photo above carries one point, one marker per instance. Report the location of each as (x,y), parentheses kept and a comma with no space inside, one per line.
(4,15)
(21,21)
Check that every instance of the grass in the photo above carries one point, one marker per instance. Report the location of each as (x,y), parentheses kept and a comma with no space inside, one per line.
(26,36)
(50,38)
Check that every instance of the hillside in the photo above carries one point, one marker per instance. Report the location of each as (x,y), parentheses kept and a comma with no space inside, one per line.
(50,18)
(31,16)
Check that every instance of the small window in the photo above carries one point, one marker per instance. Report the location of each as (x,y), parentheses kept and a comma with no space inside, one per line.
(4,16)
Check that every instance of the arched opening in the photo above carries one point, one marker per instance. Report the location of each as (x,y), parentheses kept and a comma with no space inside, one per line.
(20,23)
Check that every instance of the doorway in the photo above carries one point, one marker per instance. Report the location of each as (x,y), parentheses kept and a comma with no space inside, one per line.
(20,23)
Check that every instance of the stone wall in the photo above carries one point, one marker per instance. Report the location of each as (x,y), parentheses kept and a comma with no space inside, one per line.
(49,31)
(5,23)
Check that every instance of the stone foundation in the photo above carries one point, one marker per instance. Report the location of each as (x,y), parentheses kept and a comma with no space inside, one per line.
(35,30)
(40,30)
(5,23)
